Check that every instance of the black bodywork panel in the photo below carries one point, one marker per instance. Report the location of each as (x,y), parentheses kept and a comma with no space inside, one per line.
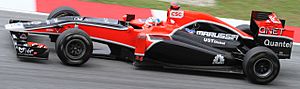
(56,22)
(187,48)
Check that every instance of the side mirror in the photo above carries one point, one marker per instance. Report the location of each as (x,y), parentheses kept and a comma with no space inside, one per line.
(128,17)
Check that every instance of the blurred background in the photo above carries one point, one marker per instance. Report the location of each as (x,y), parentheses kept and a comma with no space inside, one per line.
(237,9)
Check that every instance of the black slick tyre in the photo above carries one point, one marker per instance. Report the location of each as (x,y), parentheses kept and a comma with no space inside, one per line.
(74,47)
(63,11)
(261,65)
(245,28)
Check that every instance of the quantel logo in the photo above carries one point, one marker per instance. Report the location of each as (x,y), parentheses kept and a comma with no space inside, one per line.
(283,44)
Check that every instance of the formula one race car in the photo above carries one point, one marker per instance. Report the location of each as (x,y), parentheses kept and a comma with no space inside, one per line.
(186,40)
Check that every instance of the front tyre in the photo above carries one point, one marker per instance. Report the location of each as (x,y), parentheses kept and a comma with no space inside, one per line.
(74,47)
(261,65)
(62,12)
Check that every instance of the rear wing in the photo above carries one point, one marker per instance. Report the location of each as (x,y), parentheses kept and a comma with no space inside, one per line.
(268,23)
(268,30)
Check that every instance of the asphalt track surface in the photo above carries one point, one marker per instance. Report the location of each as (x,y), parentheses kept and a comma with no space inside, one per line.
(98,73)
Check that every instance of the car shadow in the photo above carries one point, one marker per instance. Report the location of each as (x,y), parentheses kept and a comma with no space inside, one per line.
(31,60)
(196,72)
(186,72)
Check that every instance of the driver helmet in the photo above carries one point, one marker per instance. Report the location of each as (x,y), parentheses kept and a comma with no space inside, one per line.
(153,21)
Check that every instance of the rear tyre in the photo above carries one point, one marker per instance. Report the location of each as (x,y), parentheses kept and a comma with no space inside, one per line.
(245,28)
(63,11)
(261,65)
(74,47)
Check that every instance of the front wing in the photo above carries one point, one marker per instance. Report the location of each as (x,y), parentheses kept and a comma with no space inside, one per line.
(27,49)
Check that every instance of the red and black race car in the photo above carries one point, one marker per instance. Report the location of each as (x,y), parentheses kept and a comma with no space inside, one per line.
(186,40)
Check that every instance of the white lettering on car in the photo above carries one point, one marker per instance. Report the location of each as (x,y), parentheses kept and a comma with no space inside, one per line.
(23,50)
(78,18)
(176,14)
(281,44)
(210,40)
(218,35)
(274,31)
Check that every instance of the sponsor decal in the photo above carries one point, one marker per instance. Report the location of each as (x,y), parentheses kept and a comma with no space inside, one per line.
(106,20)
(55,20)
(219,59)
(218,35)
(192,31)
(280,53)
(24,50)
(33,23)
(14,26)
(49,30)
(23,36)
(281,44)
(78,18)
(274,18)
(271,31)
(214,41)
(176,14)
(48,22)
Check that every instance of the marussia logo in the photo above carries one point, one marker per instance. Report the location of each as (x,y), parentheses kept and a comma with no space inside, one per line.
(218,35)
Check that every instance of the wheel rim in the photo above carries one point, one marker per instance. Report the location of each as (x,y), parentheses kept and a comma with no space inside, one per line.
(263,68)
(75,49)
